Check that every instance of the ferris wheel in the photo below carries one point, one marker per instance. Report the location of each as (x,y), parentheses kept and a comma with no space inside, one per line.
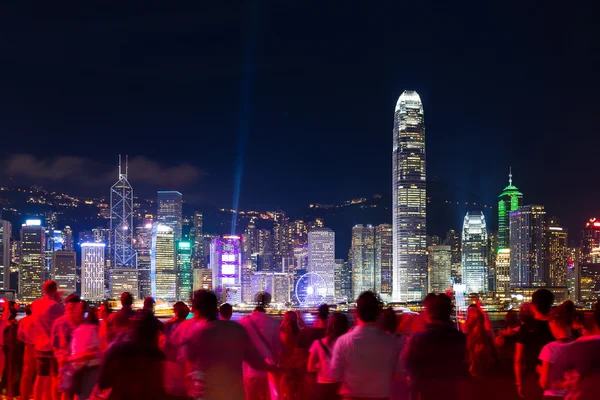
(311,290)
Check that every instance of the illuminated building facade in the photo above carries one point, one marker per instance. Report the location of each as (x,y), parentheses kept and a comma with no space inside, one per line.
(63,271)
(589,289)
(163,263)
(5,254)
(508,202)
(33,272)
(92,271)
(363,259)
(198,251)
(125,280)
(143,247)
(337,279)
(266,261)
(68,243)
(558,252)
(249,268)
(409,202)
(440,268)
(529,257)
(170,211)
(226,265)
(492,256)
(277,284)
(321,257)
(122,255)
(590,241)
(475,253)
(453,240)
(573,273)
(503,271)
(184,271)
(202,279)
(384,260)
(281,239)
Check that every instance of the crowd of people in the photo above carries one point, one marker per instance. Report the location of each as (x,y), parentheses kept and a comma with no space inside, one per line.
(66,349)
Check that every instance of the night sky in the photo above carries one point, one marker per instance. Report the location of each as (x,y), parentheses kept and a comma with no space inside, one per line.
(300,96)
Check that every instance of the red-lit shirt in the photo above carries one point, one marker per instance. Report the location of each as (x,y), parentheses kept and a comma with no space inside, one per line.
(25,332)
(44,312)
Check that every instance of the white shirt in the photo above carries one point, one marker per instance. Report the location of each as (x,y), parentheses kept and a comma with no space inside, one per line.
(365,360)
(323,359)
(551,354)
(269,329)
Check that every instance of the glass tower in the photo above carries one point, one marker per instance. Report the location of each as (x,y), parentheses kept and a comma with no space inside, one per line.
(32,272)
(170,211)
(363,259)
(508,202)
(163,263)
(475,253)
(409,200)
(184,271)
(321,257)
(528,256)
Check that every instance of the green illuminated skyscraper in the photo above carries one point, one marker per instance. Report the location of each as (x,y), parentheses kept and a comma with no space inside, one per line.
(508,202)
(184,271)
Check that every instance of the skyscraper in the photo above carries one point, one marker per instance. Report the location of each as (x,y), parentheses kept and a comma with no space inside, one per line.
(440,268)
(121,253)
(409,200)
(590,241)
(528,264)
(184,271)
(226,265)
(321,257)
(33,272)
(492,257)
(163,263)
(68,241)
(384,260)
(363,259)
(63,271)
(198,251)
(92,271)
(281,239)
(453,240)
(5,254)
(475,252)
(265,250)
(503,271)
(337,278)
(508,202)
(558,253)
(170,211)
(143,247)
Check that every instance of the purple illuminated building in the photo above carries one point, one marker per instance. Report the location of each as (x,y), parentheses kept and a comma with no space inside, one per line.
(226,265)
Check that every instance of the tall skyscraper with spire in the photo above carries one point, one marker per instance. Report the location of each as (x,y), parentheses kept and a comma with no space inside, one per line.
(508,202)
(409,200)
(122,254)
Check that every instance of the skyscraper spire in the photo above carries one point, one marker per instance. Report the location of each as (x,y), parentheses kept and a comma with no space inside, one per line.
(509,176)
(119,166)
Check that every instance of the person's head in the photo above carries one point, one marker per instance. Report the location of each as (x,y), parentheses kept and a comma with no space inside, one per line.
(337,325)
(367,307)
(559,320)
(28,309)
(542,300)
(126,299)
(205,304)
(259,309)
(388,321)
(12,308)
(103,311)
(474,316)
(74,308)
(291,317)
(511,320)
(91,316)
(149,303)
(289,325)
(226,311)
(526,313)
(50,288)
(181,310)
(438,307)
(570,309)
(323,312)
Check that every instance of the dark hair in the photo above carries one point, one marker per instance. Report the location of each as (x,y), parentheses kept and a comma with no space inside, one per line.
(542,299)
(92,315)
(126,299)
(367,307)
(438,306)
(337,325)
(145,329)
(323,311)
(259,309)
(226,310)
(388,321)
(73,298)
(28,309)
(561,315)
(49,287)
(290,323)
(511,320)
(205,303)
(181,310)
(149,303)
(569,307)
(12,309)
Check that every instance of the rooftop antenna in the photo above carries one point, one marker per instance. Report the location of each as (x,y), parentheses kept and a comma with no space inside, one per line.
(126,164)
(119,166)
(509,176)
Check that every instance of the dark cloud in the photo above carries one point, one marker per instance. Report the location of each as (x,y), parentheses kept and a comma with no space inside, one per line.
(84,171)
